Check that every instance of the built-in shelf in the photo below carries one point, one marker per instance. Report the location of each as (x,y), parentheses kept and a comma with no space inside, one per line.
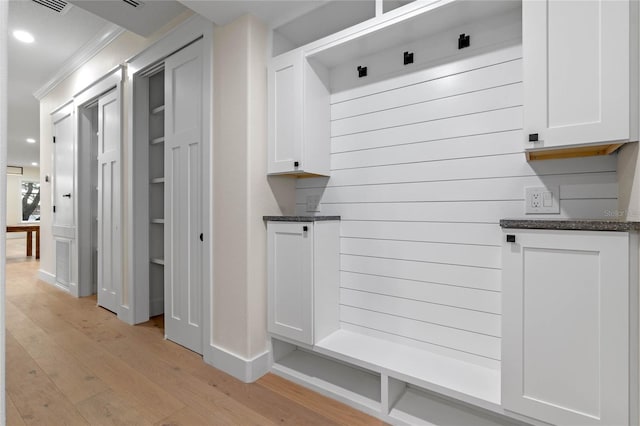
(474,384)
(157,141)
(400,27)
(158,110)
(352,383)
(157,180)
(157,261)
(160,221)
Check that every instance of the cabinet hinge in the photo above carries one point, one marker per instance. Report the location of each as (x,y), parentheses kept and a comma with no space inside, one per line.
(54,209)
(54,139)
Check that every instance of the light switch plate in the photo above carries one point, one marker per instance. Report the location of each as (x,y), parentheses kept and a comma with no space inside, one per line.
(541,200)
(313,203)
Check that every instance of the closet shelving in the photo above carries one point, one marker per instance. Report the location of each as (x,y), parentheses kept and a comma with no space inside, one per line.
(156,192)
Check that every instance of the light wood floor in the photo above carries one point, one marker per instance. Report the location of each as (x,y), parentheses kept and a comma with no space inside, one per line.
(70,362)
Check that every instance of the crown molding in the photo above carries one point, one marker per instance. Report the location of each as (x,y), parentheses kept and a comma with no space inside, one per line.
(108,33)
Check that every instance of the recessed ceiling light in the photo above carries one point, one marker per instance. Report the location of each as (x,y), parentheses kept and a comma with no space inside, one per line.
(31,140)
(23,36)
(34,164)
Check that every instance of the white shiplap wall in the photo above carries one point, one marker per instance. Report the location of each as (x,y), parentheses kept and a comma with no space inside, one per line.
(423,168)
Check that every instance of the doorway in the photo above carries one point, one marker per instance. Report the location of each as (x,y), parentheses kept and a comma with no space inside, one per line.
(99,195)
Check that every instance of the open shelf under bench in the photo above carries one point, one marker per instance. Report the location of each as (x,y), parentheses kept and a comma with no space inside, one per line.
(392,381)
(462,380)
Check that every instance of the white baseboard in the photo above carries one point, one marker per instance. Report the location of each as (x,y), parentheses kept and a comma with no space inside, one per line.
(47,277)
(246,370)
(125,314)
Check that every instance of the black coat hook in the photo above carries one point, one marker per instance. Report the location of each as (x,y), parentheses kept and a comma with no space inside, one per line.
(408,58)
(464,41)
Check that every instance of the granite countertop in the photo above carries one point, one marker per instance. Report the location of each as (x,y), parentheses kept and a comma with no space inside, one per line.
(571,224)
(299,218)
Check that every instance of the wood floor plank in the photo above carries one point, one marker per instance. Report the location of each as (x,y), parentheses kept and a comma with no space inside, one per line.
(13,415)
(328,407)
(109,409)
(37,399)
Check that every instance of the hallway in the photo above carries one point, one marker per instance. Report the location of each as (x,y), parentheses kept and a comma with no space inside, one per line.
(70,362)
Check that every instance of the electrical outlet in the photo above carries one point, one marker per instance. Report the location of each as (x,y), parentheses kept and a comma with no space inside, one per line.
(541,200)
(313,203)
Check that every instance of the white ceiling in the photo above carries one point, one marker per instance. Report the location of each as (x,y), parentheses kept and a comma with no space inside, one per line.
(142,20)
(273,12)
(57,38)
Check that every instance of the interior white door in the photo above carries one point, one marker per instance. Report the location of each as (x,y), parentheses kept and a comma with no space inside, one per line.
(183,197)
(63,166)
(109,196)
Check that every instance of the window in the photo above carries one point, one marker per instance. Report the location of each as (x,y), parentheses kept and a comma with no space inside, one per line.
(30,201)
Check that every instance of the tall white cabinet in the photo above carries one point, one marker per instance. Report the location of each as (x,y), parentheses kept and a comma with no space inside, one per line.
(569,301)
(577,62)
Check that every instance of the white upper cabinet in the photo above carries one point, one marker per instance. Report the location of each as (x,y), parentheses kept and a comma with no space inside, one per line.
(299,117)
(576,72)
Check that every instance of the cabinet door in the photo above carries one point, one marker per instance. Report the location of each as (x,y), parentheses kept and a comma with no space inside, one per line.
(290,283)
(285,113)
(565,327)
(576,71)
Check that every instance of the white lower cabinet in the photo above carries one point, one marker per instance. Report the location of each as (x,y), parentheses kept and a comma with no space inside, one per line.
(569,337)
(303,279)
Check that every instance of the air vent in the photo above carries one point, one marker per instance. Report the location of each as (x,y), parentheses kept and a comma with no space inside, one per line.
(134,3)
(59,6)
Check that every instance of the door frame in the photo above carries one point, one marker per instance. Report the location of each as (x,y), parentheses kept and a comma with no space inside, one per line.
(109,82)
(191,30)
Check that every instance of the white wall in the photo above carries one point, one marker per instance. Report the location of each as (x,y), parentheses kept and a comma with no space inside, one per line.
(423,168)
(122,48)
(14,196)
(242,193)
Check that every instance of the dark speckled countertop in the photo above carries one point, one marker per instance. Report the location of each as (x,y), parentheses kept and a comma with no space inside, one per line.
(572,224)
(299,218)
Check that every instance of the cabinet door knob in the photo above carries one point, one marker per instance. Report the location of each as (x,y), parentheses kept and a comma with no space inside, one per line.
(67,195)
(305,228)
(296,164)
(533,137)
(511,238)
(201,237)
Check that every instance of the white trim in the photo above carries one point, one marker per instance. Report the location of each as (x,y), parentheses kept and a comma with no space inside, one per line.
(106,35)
(246,370)
(100,86)
(47,277)
(62,110)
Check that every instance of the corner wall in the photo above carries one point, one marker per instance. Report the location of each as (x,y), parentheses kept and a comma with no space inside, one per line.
(242,195)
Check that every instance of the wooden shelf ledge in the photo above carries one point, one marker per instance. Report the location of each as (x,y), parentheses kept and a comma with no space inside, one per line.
(580,151)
